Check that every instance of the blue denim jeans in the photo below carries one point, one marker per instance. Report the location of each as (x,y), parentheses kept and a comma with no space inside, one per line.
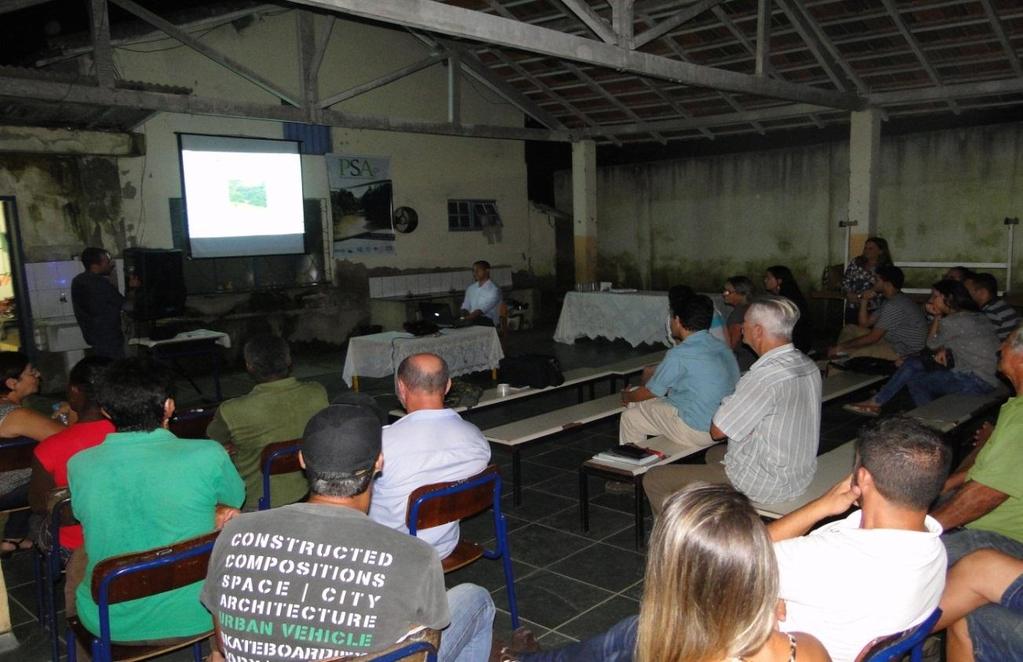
(960,543)
(469,636)
(996,630)
(925,386)
(615,645)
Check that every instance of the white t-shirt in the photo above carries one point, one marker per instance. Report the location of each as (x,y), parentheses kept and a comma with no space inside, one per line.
(847,586)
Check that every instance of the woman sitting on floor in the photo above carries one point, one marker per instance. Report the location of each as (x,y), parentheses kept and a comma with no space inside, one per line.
(779,280)
(18,380)
(965,354)
(710,592)
(738,293)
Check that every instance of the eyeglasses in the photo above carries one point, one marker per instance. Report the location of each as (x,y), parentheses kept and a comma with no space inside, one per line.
(727,292)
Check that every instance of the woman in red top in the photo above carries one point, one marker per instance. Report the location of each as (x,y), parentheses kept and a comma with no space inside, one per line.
(49,468)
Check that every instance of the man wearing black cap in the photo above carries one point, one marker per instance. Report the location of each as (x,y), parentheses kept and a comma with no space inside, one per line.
(318,580)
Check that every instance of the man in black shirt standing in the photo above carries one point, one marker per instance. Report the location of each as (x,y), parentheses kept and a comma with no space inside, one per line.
(97,304)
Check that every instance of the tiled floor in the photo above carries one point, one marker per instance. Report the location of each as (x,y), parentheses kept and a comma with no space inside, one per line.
(570,584)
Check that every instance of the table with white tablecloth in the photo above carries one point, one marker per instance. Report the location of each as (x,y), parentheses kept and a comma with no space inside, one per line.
(636,317)
(465,350)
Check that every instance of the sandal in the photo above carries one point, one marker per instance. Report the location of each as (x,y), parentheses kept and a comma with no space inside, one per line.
(863,409)
(11,545)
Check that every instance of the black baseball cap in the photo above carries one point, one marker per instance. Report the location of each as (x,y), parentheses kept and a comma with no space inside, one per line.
(342,439)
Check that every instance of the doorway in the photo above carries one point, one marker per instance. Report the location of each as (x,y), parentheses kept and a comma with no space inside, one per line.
(15,315)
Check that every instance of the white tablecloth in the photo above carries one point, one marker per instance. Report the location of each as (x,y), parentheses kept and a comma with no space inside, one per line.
(217,337)
(636,317)
(466,350)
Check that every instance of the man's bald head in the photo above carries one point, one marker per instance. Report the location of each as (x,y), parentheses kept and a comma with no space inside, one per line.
(424,373)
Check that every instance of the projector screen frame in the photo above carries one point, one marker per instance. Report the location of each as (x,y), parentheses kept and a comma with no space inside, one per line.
(184,194)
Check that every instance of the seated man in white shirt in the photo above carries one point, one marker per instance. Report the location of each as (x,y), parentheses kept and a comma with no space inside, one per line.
(881,570)
(430,444)
(482,298)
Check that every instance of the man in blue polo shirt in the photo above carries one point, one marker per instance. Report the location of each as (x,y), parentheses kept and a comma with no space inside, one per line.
(685,391)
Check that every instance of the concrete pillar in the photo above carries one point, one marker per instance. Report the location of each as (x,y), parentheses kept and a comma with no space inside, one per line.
(584,209)
(864,166)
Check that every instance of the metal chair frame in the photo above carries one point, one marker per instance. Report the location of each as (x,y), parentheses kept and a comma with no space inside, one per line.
(48,567)
(502,550)
(101,645)
(911,641)
(292,449)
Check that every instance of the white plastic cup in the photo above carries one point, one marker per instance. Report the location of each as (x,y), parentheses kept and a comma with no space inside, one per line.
(503,390)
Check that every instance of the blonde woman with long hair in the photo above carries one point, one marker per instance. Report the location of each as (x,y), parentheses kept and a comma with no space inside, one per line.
(710,592)
(711,587)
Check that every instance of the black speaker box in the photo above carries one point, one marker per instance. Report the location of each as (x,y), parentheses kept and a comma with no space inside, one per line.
(162,289)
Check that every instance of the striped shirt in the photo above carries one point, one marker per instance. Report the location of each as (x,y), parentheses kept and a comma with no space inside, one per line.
(904,324)
(773,425)
(1002,315)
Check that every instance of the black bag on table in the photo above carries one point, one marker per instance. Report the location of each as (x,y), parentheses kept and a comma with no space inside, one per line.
(534,370)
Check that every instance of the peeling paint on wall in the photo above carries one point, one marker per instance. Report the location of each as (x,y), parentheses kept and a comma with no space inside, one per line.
(66,203)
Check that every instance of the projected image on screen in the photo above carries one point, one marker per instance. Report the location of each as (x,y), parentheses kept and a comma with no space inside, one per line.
(243,196)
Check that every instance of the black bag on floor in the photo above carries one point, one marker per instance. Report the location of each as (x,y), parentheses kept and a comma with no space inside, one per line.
(534,370)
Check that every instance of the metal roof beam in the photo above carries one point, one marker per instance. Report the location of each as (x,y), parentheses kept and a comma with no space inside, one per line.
(210,52)
(555,97)
(914,45)
(622,21)
(478,26)
(380,81)
(999,31)
(985,88)
(610,98)
(667,25)
(591,20)
(763,54)
(102,52)
(63,92)
(7,6)
(681,54)
(780,112)
(472,66)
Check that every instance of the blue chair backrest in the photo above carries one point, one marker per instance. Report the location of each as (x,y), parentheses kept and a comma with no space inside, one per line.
(890,649)
(271,456)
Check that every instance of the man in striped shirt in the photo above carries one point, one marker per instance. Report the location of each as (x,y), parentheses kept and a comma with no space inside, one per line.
(897,329)
(771,421)
(983,289)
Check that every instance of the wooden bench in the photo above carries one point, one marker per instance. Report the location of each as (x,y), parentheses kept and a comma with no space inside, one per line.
(624,472)
(518,434)
(832,467)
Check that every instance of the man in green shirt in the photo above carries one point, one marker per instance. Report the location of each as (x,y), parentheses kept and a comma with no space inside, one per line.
(144,488)
(277,409)
(985,495)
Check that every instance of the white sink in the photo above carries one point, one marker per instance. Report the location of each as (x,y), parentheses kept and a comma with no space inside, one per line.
(62,334)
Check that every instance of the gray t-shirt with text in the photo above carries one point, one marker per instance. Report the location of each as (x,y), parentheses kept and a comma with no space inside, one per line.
(312,582)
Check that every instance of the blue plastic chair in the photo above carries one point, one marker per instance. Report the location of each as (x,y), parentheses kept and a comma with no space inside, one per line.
(895,646)
(48,568)
(441,503)
(280,457)
(396,653)
(139,575)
